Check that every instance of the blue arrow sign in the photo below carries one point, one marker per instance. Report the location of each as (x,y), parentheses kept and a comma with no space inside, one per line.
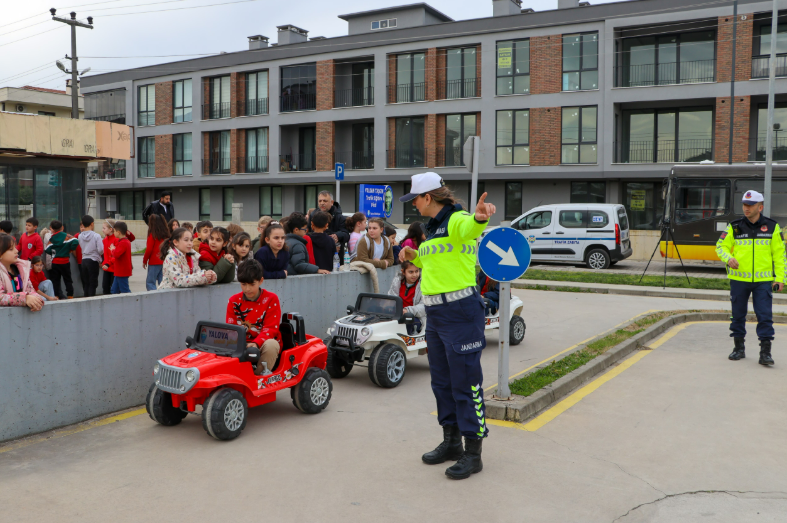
(504,254)
(339,172)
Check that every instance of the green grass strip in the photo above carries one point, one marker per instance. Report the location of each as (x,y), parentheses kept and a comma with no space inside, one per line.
(679,282)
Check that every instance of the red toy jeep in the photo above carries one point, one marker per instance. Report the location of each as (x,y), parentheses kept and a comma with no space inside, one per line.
(217,372)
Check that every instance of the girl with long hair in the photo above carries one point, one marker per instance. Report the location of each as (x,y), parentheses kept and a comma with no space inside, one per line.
(16,289)
(356,224)
(157,233)
(181,268)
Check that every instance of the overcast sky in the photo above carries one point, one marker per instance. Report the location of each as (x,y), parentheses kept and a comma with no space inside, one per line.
(172,27)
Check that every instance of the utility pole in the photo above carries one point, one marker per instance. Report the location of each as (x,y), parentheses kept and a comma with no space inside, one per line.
(74,23)
(771,91)
(732,75)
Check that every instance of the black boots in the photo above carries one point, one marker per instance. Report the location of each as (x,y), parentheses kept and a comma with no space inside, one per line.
(450,449)
(739,352)
(469,463)
(765,352)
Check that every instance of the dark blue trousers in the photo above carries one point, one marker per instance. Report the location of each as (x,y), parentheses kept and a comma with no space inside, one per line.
(455,338)
(762,297)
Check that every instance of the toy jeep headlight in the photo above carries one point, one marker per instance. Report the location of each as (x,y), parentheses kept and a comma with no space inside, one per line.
(155,368)
(363,335)
(332,330)
(190,376)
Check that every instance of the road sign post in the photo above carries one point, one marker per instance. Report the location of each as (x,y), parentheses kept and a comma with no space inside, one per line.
(339,175)
(504,255)
(471,154)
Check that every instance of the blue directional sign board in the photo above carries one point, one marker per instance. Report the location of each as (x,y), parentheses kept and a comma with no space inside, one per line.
(339,172)
(504,254)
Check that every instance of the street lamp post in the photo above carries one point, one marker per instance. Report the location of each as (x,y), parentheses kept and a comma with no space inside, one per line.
(74,23)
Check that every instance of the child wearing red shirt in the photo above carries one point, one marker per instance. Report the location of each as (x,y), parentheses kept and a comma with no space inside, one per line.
(122,260)
(259,312)
(30,244)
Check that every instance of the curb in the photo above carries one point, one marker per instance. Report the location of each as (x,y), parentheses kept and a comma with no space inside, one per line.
(521,408)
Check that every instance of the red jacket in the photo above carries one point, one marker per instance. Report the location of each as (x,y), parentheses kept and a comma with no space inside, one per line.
(261,318)
(152,251)
(36,278)
(78,252)
(309,249)
(122,257)
(109,255)
(407,295)
(30,246)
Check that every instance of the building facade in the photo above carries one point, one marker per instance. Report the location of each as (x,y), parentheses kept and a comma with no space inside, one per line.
(39,100)
(585,103)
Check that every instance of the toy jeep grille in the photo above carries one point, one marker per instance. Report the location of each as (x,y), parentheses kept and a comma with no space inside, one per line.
(346,332)
(173,379)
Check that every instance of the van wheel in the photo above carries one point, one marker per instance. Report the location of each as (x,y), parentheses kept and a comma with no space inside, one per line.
(224,414)
(597,259)
(337,367)
(160,409)
(387,366)
(516,330)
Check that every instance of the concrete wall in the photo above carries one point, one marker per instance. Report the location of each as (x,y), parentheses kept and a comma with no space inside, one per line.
(78,359)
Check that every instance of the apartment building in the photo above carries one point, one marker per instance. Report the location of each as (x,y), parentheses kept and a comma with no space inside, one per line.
(585,103)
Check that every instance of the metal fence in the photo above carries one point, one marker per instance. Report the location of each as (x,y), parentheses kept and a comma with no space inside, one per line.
(449,157)
(253,164)
(642,75)
(779,148)
(297,162)
(404,158)
(215,110)
(298,102)
(663,151)
(252,106)
(216,164)
(467,88)
(415,92)
(760,66)
(355,159)
(353,97)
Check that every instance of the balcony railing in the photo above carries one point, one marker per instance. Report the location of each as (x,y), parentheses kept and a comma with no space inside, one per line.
(353,97)
(450,89)
(252,164)
(114,118)
(298,102)
(297,162)
(355,159)
(401,93)
(216,164)
(779,148)
(404,158)
(110,174)
(253,107)
(449,157)
(760,69)
(215,110)
(664,151)
(665,73)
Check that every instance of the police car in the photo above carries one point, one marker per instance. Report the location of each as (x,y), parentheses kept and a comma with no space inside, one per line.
(375,330)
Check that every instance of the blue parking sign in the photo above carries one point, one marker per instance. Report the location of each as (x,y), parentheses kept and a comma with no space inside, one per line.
(504,254)
(339,172)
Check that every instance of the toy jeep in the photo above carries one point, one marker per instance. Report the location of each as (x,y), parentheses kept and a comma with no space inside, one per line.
(375,330)
(217,372)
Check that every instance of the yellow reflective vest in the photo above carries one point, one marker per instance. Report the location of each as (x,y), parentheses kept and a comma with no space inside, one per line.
(758,247)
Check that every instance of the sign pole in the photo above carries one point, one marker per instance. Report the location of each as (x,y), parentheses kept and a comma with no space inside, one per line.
(474,183)
(503,391)
(338,189)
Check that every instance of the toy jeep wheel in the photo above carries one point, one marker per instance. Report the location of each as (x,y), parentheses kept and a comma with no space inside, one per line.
(224,414)
(337,367)
(313,393)
(516,330)
(160,409)
(387,366)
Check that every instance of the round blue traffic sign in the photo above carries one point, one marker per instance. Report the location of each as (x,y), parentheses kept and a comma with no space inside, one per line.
(504,254)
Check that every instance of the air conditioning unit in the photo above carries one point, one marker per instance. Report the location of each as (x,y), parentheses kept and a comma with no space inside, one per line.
(91,194)
(20,108)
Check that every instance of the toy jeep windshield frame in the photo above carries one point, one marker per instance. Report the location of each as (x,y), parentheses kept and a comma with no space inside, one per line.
(368,297)
(219,330)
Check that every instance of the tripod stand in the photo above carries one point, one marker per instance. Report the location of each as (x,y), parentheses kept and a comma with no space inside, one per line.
(666,234)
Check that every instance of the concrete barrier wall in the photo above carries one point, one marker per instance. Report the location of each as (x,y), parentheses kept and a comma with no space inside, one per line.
(78,359)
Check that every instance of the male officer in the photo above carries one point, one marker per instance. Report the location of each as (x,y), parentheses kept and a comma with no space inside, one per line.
(753,250)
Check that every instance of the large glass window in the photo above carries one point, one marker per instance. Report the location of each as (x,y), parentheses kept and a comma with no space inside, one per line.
(579,135)
(513,200)
(762,50)
(182,102)
(460,74)
(588,192)
(220,97)
(667,135)
(644,203)
(146,105)
(458,128)
(779,135)
(536,220)
(204,204)
(146,155)
(362,147)
(409,151)
(219,146)
(701,199)
(106,106)
(513,67)
(270,201)
(299,87)
(256,93)
(182,154)
(227,198)
(512,139)
(580,62)
(257,150)
(410,78)
(669,59)
(131,204)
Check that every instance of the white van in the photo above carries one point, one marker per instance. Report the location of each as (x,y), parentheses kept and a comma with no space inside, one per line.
(594,234)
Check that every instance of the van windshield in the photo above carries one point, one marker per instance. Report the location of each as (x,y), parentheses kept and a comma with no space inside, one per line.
(623,219)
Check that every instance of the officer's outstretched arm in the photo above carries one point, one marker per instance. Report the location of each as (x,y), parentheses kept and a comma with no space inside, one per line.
(463,226)
(724,245)
(778,256)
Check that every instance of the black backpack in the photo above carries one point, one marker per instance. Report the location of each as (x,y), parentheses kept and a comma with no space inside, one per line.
(147,212)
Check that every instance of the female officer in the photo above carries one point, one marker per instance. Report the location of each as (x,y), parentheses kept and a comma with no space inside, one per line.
(454,319)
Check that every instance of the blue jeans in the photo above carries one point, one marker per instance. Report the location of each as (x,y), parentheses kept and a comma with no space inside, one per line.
(47,288)
(120,285)
(762,298)
(155,275)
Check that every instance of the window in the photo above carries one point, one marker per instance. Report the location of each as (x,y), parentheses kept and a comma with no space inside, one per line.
(270,201)
(513,67)
(182,102)
(597,219)
(257,150)
(701,199)
(220,98)
(46,113)
(204,204)
(572,219)
(667,135)
(410,78)
(182,154)
(580,62)
(147,157)
(670,59)
(458,128)
(106,106)
(762,50)
(362,147)
(513,200)
(588,192)
(256,93)
(146,104)
(460,74)
(410,213)
(227,198)
(537,220)
(779,136)
(409,150)
(644,203)
(579,135)
(131,204)
(219,150)
(310,193)
(384,24)
(512,138)
(299,87)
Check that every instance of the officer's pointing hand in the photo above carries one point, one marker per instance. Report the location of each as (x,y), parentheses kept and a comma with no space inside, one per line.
(483,211)
(733,263)
(407,254)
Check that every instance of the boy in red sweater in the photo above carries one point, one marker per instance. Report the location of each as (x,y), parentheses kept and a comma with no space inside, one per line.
(259,312)
(122,260)
(30,243)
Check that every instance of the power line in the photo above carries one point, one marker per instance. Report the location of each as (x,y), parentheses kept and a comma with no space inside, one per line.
(181,8)
(25,27)
(31,36)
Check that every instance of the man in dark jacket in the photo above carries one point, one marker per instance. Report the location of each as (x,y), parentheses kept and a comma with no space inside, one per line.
(296,243)
(336,227)
(163,207)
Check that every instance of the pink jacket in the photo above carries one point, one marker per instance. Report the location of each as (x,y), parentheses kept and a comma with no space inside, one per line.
(9,298)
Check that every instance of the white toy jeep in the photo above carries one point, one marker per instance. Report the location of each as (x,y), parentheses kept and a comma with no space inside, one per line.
(375,330)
